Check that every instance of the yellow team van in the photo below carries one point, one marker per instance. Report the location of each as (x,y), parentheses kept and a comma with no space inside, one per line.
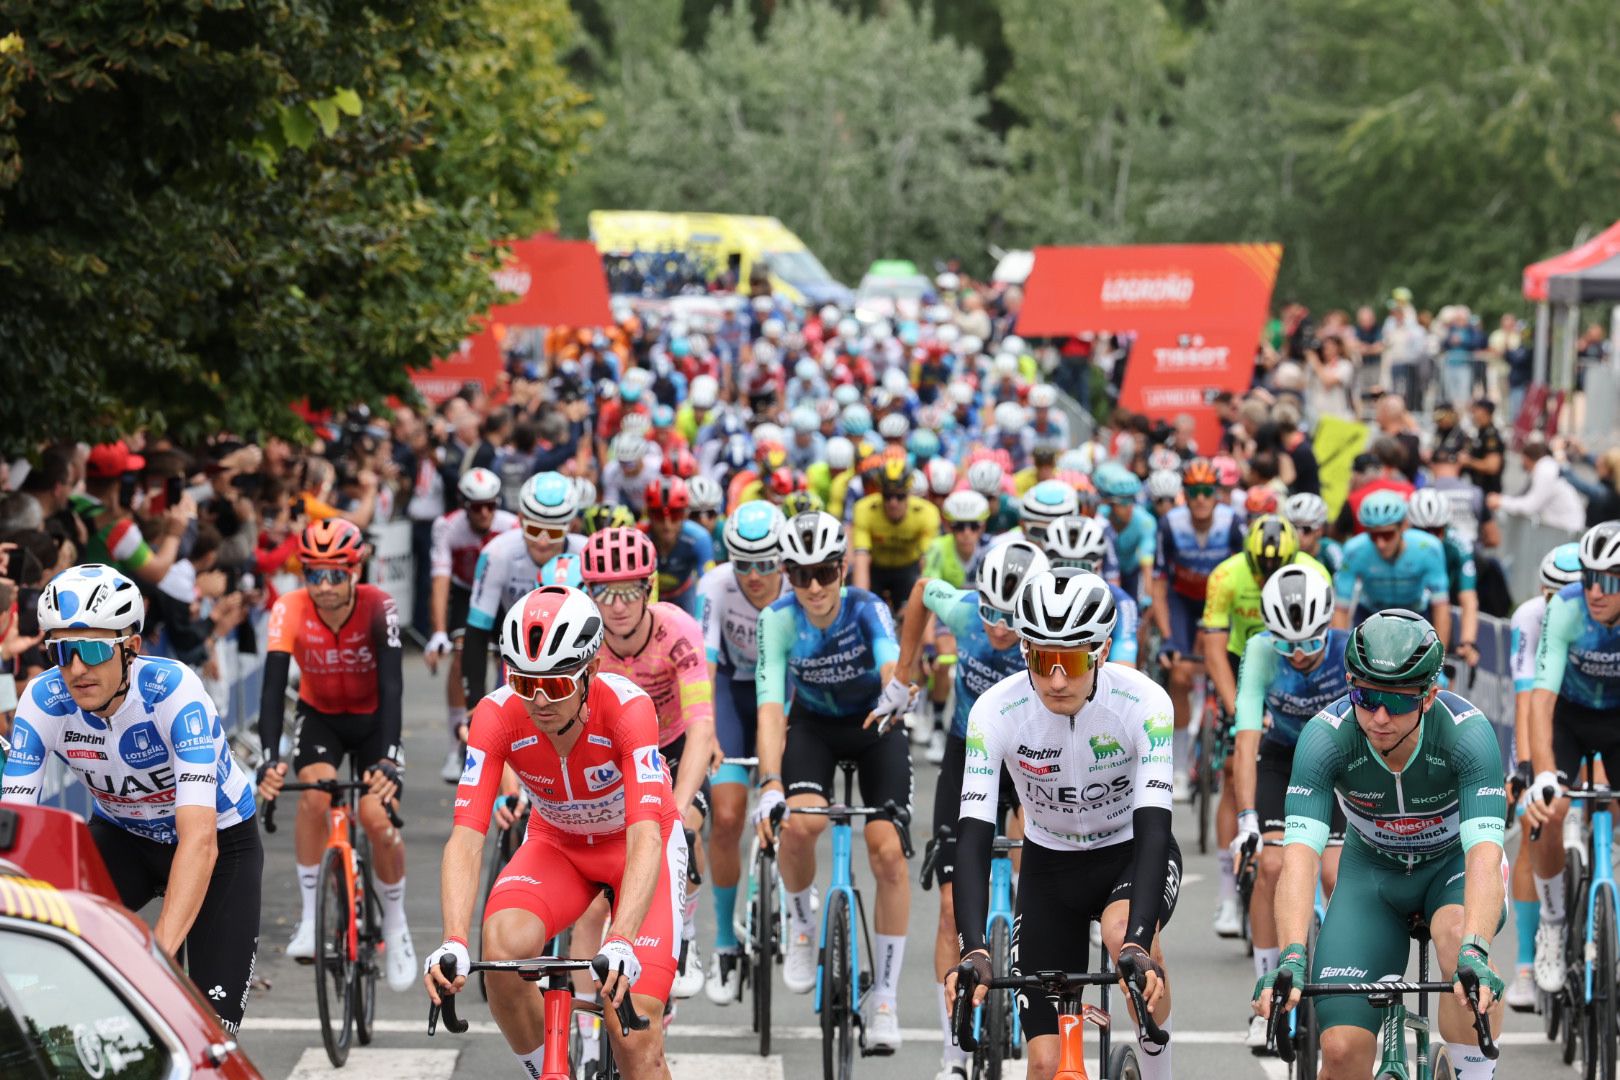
(665,250)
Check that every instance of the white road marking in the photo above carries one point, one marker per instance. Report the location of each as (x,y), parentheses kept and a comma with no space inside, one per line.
(1273,1068)
(371,1063)
(726,1067)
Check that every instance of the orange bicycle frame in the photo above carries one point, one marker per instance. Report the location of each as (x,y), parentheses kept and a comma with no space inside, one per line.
(1072,1047)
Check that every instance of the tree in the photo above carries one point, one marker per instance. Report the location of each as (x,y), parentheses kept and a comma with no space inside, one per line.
(220,208)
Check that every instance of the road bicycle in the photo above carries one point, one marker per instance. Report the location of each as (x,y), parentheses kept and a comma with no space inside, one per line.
(561,1054)
(1209,756)
(1302,1021)
(348,918)
(760,923)
(844,972)
(1433,1063)
(1064,989)
(503,844)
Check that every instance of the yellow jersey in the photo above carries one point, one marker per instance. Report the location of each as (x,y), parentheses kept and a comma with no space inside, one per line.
(895,544)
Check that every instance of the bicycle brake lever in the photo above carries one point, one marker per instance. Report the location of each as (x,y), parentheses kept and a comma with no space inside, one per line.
(1276,1032)
(1547,795)
(629,1019)
(901,817)
(1135,979)
(447,968)
(1482,1025)
(967,980)
(270,816)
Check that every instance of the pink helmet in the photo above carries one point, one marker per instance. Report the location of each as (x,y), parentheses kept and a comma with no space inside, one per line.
(1227,473)
(552,630)
(618,555)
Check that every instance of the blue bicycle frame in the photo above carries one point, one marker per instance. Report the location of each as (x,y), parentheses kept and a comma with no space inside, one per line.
(843,842)
(1001,910)
(1601,826)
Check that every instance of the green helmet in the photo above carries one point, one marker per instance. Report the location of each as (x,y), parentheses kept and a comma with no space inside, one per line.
(1395,647)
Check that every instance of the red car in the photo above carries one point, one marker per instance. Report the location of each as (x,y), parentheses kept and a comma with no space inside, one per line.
(84,990)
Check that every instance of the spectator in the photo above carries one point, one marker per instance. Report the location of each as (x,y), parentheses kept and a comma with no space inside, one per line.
(1458,343)
(1405,347)
(1471,519)
(1332,379)
(1448,433)
(1398,425)
(50,483)
(1369,347)
(1602,494)
(114,537)
(1506,339)
(1549,498)
(515,463)
(1299,470)
(1483,460)
(20,512)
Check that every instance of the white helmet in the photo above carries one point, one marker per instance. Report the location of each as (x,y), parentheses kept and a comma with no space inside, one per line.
(1600,547)
(840,453)
(946,281)
(91,597)
(1303,511)
(1005,569)
(893,426)
(1013,344)
(584,491)
(967,505)
(1009,416)
(812,537)
(1561,566)
(551,630)
(704,494)
(1065,609)
(1073,541)
(479,485)
(773,328)
(849,329)
(961,393)
(828,313)
(1296,603)
(806,369)
(636,423)
(628,447)
(970,345)
(768,432)
(1048,501)
(755,531)
(1165,484)
(1006,365)
(896,382)
(1042,396)
(941,476)
(804,420)
(846,394)
(947,334)
(919,484)
(985,476)
(705,391)
(1427,508)
(549,498)
(764,353)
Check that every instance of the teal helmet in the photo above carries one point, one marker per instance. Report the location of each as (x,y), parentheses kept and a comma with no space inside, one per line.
(1381,509)
(923,445)
(1115,481)
(1561,566)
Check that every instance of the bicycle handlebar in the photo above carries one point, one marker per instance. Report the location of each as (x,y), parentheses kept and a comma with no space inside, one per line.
(899,815)
(1052,984)
(1283,987)
(333,788)
(1135,980)
(1482,1024)
(530,971)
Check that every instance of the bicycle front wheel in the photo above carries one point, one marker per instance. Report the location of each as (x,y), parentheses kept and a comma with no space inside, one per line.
(368,928)
(762,946)
(1440,1067)
(995,1040)
(1309,1035)
(1573,994)
(505,844)
(1205,791)
(837,992)
(334,971)
(1122,1063)
(1600,1014)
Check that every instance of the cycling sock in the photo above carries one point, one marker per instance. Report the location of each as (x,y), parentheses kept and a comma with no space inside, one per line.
(1228,878)
(1180,744)
(939,715)
(1156,1066)
(889,951)
(1526,917)
(689,916)
(531,1061)
(725,914)
(803,919)
(1265,960)
(393,904)
(456,719)
(1550,891)
(1469,1063)
(952,1054)
(307,877)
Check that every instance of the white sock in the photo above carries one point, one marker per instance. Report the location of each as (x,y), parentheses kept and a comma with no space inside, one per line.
(308,876)
(1228,877)
(1550,891)
(1180,748)
(530,1062)
(689,917)
(393,904)
(1265,960)
(890,950)
(952,1054)
(1156,1066)
(799,913)
(1469,1063)
(456,719)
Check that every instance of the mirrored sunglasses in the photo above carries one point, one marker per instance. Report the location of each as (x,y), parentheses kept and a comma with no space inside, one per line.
(537,532)
(92,651)
(618,592)
(1200,491)
(553,688)
(993,616)
(326,575)
(1310,646)
(1604,581)
(1072,662)
(757,566)
(1372,700)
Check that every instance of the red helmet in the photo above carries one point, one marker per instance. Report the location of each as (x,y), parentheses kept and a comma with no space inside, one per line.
(784,482)
(1198,471)
(1261,500)
(333,542)
(667,495)
(680,463)
(619,555)
(552,630)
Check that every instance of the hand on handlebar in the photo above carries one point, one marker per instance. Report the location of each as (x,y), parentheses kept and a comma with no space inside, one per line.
(383,781)
(1292,960)
(1247,841)
(1473,965)
(1137,965)
(438,646)
(272,774)
(433,976)
(1538,800)
(977,964)
(508,810)
(617,969)
(897,700)
(768,814)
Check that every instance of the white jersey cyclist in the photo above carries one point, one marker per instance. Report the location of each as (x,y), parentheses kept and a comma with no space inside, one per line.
(730,622)
(506,572)
(455,546)
(164,748)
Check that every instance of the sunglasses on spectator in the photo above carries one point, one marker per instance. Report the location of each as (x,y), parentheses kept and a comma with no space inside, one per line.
(1397,703)
(1072,662)
(824,574)
(618,592)
(760,567)
(967,526)
(92,651)
(537,532)
(482,507)
(1310,646)
(1200,491)
(326,575)
(1383,536)
(993,616)
(553,688)
(1604,581)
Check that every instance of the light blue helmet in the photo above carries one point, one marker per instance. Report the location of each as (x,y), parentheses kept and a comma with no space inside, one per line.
(1115,481)
(923,445)
(1561,566)
(1381,509)
(563,569)
(755,531)
(549,498)
(1048,501)
(663,416)
(855,421)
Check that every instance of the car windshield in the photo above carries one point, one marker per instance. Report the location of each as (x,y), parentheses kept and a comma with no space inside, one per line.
(797,267)
(895,288)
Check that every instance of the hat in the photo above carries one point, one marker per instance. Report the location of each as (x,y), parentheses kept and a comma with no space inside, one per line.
(112,460)
(1444,407)
(1400,295)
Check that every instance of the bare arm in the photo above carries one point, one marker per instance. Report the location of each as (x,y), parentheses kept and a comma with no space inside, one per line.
(458,880)
(1469,633)
(1483,890)
(1161,606)
(863,570)
(439,604)
(1244,769)
(189,874)
(1296,892)
(694,763)
(1218,666)
(913,627)
(1540,735)
(643,850)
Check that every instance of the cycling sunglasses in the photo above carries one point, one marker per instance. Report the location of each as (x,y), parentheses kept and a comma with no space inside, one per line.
(1310,646)
(1397,703)
(1604,581)
(1037,533)
(553,688)
(483,507)
(1196,491)
(967,526)
(326,575)
(993,616)
(666,515)
(757,566)
(1073,662)
(93,651)
(617,592)
(537,532)
(825,573)
(1383,536)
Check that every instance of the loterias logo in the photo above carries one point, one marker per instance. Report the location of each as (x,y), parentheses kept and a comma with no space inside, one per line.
(142,746)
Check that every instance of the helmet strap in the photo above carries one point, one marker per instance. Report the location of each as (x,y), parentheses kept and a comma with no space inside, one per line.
(123,687)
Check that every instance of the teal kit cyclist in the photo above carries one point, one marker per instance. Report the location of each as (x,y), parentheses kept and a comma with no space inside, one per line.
(1133,530)
(1430,510)
(1392,566)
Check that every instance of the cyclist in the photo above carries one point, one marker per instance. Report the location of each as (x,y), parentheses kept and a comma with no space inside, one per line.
(345,638)
(891,530)
(457,539)
(658,647)
(635,461)
(1232,615)
(585,743)
(1430,510)
(510,565)
(951,558)
(1164,492)
(731,596)
(685,551)
(174,811)
(706,509)
(1291,670)
(1389,565)
(987,652)
(830,476)
(1087,745)
(1308,514)
(1571,716)
(989,478)
(1418,774)
(834,647)
(1133,530)
(1193,540)
(1082,543)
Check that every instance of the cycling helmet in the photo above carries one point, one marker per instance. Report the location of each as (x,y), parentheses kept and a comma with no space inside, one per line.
(941,476)
(667,495)
(1198,471)
(1077,541)
(549,498)
(812,538)
(663,416)
(1561,566)
(856,420)
(91,597)
(769,434)
(704,495)
(1306,511)
(584,491)
(1048,501)
(806,369)
(755,531)
(333,542)
(1013,344)
(1162,457)
(1381,509)
(1227,473)
(783,482)
(922,445)
(1065,608)
(552,630)
(704,392)
(894,476)
(1005,569)
(770,454)
(801,502)
(846,395)
(1115,481)
(961,393)
(628,447)
(1009,416)
(804,420)
(636,423)
(919,484)
(1427,508)
(680,463)
(618,555)
(840,454)
(607,516)
(1270,545)
(985,477)
(1600,547)
(773,328)
(479,486)
(1164,484)
(1296,603)
(1042,396)
(1260,499)
(966,505)
(893,426)
(1394,647)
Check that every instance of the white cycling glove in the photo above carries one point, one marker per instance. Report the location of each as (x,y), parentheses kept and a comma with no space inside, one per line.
(1248,824)
(897,699)
(768,801)
(621,957)
(1538,786)
(456,949)
(438,644)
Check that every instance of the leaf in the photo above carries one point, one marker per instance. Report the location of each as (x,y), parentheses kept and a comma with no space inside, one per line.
(297,128)
(326,111)
(347,101)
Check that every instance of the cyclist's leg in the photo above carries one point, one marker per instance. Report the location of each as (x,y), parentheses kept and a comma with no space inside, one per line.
(1270,795)
(1443,906)
(455,693)
(808,764)
(884,771)
(1184,616)
(139,867)
(1226,812)
(320,749)
(1117,913)
(947,812)
(366,747)
(1363,938)
(728,804)
(224,938)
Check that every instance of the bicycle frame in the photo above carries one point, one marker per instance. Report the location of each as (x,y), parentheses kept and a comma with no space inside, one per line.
(1600,843)
(843,844)
(1001,909)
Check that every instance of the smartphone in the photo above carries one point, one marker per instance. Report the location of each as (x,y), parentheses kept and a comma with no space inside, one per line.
(248,483)
(28,612)
(174,488)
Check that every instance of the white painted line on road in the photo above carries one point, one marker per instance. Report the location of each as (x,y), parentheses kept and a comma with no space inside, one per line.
(370,1063)
(1191,879)
(726,1067)
(1273,1068)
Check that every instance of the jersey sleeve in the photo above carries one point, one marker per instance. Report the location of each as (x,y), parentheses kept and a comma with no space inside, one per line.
(647,792)
(1558,633)
(691,671)
(487,746)
(439,547)
(1223,584)
(1124,642)
(981,772)
(1481,786)
(1524,638)
(878,624)
(946,603)
(1344,581)
(1154,765)
(34,736)
(775,636)
(1309,808)
(282,635)
(711,593)
(1254,676)
(195,751)
(489,578)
